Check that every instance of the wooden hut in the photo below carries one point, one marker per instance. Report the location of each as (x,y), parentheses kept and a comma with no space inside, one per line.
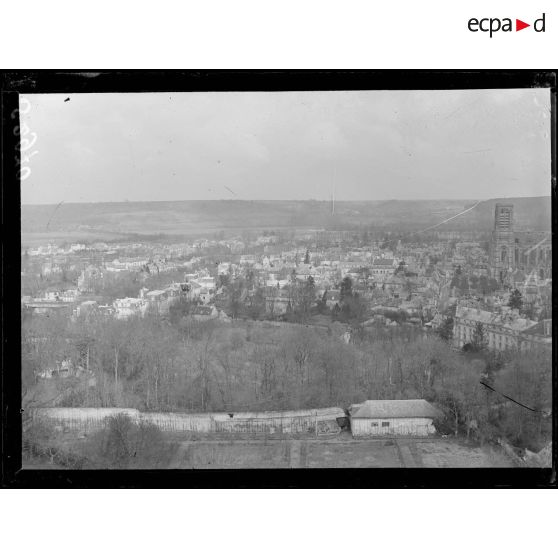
(401,417)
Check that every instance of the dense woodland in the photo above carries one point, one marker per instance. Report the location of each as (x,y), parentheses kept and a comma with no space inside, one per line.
(177,363)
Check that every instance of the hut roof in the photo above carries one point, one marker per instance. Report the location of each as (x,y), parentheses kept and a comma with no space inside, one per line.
(396,408)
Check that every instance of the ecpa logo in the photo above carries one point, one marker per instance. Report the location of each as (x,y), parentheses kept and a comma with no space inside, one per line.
(493,25)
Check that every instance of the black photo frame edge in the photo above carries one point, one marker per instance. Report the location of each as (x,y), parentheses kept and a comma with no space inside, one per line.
(13,84)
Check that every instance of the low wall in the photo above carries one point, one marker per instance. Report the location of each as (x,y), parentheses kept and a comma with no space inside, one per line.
(80,419)
(87,420)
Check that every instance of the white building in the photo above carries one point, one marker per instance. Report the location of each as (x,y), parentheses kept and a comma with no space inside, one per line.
(207,283)
(127,307)
(501,330)
(383,267)
(402,417)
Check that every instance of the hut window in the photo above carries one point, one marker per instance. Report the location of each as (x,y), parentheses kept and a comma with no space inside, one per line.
(385,423)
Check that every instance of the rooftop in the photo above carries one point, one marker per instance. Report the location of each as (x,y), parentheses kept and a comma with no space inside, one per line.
(543,328)
(202,310)
(396,408)
(509,320)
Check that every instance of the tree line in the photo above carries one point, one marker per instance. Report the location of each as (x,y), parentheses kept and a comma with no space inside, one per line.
(155,364)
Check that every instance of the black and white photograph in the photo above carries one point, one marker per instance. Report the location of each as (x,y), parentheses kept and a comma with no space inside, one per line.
(286,279)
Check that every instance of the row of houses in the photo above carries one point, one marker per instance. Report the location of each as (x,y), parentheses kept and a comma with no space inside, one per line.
(158,300)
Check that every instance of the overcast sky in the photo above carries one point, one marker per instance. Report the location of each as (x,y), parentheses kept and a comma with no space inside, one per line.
(367,145)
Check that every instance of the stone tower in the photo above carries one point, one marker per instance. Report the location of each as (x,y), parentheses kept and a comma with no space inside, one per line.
(502,245)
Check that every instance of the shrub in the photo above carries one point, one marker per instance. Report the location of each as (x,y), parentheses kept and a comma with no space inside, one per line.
(124,444)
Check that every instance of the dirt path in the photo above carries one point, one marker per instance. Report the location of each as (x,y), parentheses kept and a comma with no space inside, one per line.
(407,459)
(295,458)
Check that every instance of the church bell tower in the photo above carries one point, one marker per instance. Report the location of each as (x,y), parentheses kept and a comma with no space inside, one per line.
(502,249)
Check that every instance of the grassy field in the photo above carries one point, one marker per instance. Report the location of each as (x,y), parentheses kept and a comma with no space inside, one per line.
(236,455)
(445,453)
(339,452)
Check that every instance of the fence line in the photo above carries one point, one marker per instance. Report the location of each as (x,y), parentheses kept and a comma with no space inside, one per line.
(287,422)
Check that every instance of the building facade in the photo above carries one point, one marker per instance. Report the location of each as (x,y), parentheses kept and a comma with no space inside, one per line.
(404,417)
(501,332)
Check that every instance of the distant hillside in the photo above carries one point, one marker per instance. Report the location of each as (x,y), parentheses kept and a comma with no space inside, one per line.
(529,214)
(198,217)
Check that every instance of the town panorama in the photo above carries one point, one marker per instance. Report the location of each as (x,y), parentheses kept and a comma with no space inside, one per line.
(238,333)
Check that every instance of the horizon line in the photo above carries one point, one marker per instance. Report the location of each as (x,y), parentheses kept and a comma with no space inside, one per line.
(278,200)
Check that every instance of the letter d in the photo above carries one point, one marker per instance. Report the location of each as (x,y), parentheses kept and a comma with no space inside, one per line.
(541,30)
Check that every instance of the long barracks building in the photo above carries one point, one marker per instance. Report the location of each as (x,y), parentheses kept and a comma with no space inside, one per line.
(501,331)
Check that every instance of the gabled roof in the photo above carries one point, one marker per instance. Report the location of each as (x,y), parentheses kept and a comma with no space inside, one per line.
(202,310)
(329,413)
(383,261)
(396,408)
(492,318)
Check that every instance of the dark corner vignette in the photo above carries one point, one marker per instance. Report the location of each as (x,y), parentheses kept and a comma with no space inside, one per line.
(99,81)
